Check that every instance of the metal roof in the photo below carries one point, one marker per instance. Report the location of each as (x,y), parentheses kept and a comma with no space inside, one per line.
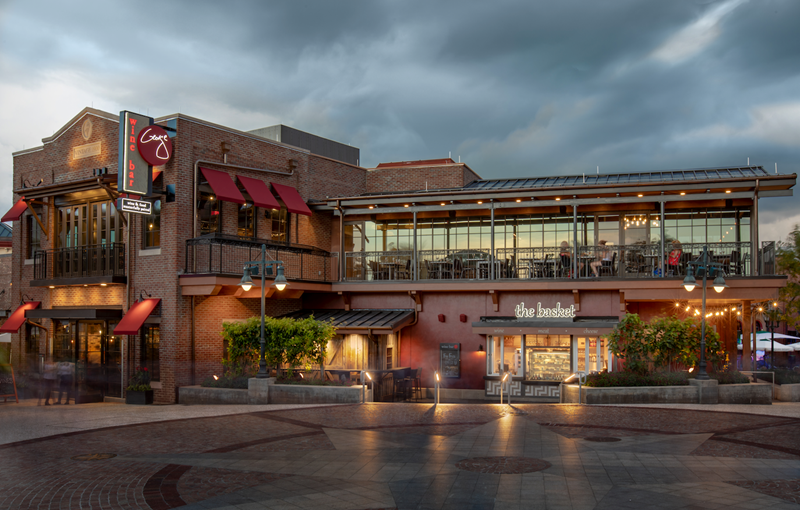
(358,319)
(5,230)
(699,174)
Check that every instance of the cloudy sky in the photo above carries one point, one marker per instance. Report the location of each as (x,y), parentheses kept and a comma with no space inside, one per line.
(513,88)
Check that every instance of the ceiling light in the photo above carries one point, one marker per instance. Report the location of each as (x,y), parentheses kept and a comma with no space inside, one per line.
(442,203)
(103,284)
(406,205)
(480,201)
(557,199)
(370,207)
(519,200)
(727,191)
(639,195)
(683,193)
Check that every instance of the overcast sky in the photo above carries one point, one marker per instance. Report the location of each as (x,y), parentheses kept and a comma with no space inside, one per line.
(514,88)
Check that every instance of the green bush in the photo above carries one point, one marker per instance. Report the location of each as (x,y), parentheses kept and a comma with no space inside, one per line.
(782,376)
(730,377)
(226,381)
(611,379)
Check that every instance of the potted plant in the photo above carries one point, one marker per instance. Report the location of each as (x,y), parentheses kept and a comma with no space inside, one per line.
(139,391)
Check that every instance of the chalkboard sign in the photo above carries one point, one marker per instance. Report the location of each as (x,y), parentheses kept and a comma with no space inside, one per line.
(8,384)
(450,360)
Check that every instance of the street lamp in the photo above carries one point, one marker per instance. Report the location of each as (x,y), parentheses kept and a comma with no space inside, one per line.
(246,284)
(771,317)
(689,284)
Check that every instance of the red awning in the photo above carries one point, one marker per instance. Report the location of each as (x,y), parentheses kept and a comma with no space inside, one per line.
(259,192)
(17,318)
(133,320)
(223,186)
(292,199)
(15,212)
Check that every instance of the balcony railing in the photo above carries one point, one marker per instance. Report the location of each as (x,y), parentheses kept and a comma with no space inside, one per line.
(227,255)
(80,262)
(641,261)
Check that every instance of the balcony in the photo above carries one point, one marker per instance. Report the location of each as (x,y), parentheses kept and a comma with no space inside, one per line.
(638,261)
(92,264)
(227,255)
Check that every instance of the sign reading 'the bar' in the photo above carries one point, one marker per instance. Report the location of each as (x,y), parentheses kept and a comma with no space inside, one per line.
(135,174)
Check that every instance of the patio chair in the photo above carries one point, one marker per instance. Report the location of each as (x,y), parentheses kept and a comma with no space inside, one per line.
(608,267)
(432,273)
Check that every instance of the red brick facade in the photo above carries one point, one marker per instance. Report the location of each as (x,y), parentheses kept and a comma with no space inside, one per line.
(419,175)
(156,272)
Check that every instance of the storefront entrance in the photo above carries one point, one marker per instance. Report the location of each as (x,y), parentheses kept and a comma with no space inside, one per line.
(96,353)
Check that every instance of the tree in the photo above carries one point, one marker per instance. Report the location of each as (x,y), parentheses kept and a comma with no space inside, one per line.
(666,342)
(788,260)
(294,342)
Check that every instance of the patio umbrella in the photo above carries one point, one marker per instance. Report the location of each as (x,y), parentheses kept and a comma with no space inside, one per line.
(766,345)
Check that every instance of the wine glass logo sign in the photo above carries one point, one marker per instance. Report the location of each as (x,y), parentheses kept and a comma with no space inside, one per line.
(154,145)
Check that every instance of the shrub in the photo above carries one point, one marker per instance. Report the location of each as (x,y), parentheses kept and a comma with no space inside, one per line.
(782,376)
(226,381)
(730,377)
(140,380)
(612,379)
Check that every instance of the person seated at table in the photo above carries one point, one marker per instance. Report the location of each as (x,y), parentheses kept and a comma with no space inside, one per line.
(565,255)
(674,258)
(604,258)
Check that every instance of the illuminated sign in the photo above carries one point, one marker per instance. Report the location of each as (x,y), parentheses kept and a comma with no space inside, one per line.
(135,174)
(134,206)
(544,313)
(154,145)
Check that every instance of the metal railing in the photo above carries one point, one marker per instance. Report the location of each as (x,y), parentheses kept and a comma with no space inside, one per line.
(227,255)
(80,261)
(638,261)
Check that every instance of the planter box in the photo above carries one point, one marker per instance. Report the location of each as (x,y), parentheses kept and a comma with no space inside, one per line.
(787,392)
(198,395)
(754,393)
(139,398)
(305,394)
(727,394)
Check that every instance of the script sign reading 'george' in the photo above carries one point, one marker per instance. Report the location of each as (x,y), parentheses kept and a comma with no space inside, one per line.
(154,145)
(135,173)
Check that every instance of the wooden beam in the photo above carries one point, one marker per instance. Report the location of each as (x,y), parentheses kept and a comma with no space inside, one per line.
(417,299)
(495,300)
(346,300)
(576,296)
(36,216)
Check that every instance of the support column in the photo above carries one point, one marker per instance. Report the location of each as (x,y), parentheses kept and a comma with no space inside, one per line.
(661,251)
(574,257)
(492,258)
(746,315)
(414,257)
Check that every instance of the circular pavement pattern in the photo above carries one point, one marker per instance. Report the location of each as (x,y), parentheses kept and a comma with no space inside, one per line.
(503,465)
(602,439)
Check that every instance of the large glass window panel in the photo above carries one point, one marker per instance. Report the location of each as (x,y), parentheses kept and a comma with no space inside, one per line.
(246,221)
(607,229)
(547,357)
(209,214)
(512,355)
(151,340)
(152,227)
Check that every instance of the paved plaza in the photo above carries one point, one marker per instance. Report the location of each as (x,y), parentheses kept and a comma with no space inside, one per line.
(402,456)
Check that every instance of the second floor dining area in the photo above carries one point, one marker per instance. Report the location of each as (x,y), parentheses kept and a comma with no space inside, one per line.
(551,246)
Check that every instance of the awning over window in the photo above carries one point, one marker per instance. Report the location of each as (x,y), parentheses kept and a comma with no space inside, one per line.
(16,211)
(133,320)
(379,322)
(223,186)
(292,199)
(259,192)
(17,318)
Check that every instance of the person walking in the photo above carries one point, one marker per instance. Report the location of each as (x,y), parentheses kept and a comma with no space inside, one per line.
(65,377)
(49,381)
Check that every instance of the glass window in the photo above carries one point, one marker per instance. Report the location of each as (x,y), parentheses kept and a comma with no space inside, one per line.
(152,227)
(151,338)
(547,357)
(34,236)
(280,225)
(32,339)
(208,214)
(504,354)
(247,218)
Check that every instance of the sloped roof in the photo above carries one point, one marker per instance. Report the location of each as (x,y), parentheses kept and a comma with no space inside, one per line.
(381,321)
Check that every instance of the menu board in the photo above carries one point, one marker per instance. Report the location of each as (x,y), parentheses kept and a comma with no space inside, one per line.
(450,360)
(8,384)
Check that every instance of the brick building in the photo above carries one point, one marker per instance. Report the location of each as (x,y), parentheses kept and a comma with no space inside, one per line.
(421,264)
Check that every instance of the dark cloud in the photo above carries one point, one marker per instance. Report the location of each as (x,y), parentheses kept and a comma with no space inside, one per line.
(514,88)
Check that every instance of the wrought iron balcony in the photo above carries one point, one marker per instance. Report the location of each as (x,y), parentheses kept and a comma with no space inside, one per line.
(97,263)
(226,255)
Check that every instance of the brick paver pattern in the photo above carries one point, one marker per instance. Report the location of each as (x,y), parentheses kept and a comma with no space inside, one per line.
(417,456)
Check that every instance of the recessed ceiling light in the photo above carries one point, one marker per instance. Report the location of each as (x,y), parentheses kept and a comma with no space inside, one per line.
(52,286)
(639,195)
(519,200)
(370,207)
(480,201)
(727,191)
(103,284)
(405,205)
(442,203)
(557,199)
(683,193)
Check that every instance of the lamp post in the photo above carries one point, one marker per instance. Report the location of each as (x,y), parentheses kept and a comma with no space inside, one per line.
(247,283)
(689,284)
(772,315)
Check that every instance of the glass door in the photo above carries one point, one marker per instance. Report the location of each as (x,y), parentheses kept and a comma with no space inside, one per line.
(592,354)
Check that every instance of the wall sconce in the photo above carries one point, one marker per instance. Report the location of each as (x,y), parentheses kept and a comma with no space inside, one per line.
(462,318)
(441,317)
(480,348)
